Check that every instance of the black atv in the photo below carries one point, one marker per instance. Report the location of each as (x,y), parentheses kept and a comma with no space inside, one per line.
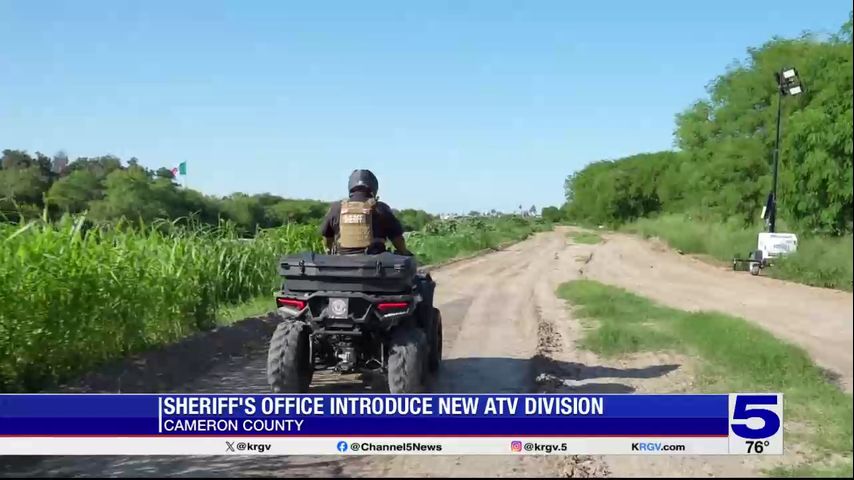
(370,314)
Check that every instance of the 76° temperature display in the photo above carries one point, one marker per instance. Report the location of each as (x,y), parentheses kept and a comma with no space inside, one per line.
(756,424)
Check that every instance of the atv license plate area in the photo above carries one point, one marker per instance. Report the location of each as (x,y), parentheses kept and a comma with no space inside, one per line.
(338,308)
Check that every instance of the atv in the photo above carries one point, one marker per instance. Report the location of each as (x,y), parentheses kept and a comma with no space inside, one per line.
(370,314)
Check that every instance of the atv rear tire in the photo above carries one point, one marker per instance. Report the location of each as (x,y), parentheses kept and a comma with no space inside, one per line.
(290,367)
(406,360)
(435,357)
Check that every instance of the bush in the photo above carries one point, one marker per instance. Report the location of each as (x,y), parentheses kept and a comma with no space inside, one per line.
(552,214)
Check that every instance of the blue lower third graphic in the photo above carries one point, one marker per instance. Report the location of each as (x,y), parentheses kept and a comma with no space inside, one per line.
(339,416)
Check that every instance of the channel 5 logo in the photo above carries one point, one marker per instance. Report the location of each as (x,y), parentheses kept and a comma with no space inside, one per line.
(515,446)
(756,423)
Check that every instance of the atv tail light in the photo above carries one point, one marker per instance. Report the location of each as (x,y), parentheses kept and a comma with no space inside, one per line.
(290,302)
(392,306)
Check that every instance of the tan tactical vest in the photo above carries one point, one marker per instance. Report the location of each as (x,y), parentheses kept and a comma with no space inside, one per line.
(354,225)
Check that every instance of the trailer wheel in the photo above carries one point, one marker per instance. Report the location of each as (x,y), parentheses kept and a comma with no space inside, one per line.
(754,268)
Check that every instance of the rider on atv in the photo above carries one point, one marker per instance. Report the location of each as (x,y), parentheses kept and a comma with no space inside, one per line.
(361,224)
(361,309)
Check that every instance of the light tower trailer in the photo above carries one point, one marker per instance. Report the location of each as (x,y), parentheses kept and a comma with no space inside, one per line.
(769,246)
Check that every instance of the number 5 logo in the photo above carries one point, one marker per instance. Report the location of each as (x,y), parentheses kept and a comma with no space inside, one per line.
(748,407)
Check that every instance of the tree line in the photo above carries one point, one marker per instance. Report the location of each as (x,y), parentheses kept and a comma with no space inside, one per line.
(721,168)
(108,190)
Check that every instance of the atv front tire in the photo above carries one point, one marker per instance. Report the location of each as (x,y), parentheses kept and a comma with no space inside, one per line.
(407,360)
(290,367)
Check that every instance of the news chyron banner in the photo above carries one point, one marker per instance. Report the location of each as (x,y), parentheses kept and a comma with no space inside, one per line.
(135,424)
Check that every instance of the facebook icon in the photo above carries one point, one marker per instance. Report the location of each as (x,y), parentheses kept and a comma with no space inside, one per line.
(342,446)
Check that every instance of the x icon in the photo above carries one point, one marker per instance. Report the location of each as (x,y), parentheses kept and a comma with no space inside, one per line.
(229,446)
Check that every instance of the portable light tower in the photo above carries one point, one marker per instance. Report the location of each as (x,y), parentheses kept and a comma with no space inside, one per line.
(788,84)
(771,244)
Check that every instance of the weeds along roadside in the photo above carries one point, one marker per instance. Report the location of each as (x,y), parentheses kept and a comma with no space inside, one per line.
(820,261)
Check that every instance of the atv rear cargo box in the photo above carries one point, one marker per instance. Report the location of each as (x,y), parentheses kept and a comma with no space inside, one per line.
(383,273)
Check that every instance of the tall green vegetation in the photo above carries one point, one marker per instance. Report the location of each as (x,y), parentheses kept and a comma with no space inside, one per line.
(413,220)
(72,296)
(443,240)
(722,168)
(552,214)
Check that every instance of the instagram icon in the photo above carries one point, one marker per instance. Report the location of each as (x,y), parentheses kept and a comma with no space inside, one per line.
(516,446)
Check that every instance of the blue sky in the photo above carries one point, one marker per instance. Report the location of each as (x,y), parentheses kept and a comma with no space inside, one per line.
(456,105)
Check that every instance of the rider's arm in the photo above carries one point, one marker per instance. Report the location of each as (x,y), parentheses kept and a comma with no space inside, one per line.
(327,228)
(400,245)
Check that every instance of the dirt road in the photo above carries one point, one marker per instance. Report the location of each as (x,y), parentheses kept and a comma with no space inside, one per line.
(816,319)
(505,331)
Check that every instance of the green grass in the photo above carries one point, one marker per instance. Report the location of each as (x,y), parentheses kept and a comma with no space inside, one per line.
(444,241)
(588,238)
(733,355)
(819,261)
(840,469)
(251,308)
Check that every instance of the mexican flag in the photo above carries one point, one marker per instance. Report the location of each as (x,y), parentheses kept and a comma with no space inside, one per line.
(181,169)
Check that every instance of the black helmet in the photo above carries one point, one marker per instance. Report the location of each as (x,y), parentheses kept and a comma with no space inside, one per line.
(365,179)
